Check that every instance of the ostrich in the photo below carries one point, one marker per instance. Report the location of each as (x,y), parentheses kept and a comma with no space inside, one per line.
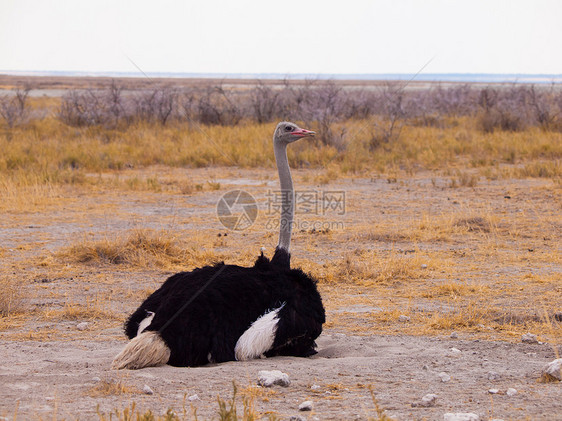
(224,312)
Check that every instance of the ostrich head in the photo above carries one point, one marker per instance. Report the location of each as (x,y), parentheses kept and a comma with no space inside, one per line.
(287,132)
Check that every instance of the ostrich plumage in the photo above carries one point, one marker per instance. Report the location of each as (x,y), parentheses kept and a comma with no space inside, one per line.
(227,312)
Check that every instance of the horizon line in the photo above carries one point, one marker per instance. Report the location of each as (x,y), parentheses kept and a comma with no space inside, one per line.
(423,77)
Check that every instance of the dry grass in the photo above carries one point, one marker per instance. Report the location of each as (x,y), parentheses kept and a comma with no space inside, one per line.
(48,152)
(92,310)
(228,410)
(24,193)
(131,413)
(141,248)
(380,414)
(366,268)
(110,387)
(254,392)
(12,296)
(468,316)
(455,290)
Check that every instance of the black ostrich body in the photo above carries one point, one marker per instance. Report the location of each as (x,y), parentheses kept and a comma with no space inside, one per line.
(209,327)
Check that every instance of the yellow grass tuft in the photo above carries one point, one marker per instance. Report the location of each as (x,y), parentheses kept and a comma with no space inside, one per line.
(131,413)
(95,309)
(228,410)
(110,387)
(454,290)
(367,268)
(380,414)
(11,296)
(253,392)
(469,316)
(141,248)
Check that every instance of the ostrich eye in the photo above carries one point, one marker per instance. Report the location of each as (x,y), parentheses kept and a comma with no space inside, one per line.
(288,128)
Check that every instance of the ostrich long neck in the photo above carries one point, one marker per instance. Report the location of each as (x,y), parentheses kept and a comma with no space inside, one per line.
(287,195)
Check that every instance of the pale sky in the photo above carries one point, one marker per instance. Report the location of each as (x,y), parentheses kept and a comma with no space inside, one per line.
(289,36)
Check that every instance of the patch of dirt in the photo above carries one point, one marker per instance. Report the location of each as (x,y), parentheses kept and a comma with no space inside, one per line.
(45,378)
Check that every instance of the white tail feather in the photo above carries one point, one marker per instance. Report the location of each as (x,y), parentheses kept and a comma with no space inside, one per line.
(146,350)
(258,338)
(145,322)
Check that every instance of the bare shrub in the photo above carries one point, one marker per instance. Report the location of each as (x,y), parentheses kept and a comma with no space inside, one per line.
(13,109)
(110,108)
(115,106)
(187,101)
(265,103)
(92,108)
(392,111)
(209,109)
(505,109)
(322,105)
(547,108)
(212,105)
(154,106)
(80,109)
(295,102)
(325,105)
(454,101)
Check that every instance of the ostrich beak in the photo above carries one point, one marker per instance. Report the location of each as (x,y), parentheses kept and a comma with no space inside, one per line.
(303,133)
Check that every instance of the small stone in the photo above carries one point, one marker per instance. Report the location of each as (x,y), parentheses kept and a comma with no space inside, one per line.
(96,379)
(193,398)
(147,390)
(455,350)
(315,387)
(529,338)
(424,266)
(297,418)
(553,369)
(428,400)
(492,375)
(493,391)
(444,377)
(270,378)
(306,406)
(511,392)
(425,367)
(82,326)
(461,416)
(454,335)
(403,318)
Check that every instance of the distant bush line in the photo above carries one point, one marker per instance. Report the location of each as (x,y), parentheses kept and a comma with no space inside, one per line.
(317,104)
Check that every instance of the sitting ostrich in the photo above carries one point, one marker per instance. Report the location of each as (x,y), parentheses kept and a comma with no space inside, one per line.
(227,312)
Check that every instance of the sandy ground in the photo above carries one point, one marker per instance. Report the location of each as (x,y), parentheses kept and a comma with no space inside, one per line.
(50,370)
(56,377)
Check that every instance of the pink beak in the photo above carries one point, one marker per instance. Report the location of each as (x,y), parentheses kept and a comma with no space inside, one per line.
(303,133)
